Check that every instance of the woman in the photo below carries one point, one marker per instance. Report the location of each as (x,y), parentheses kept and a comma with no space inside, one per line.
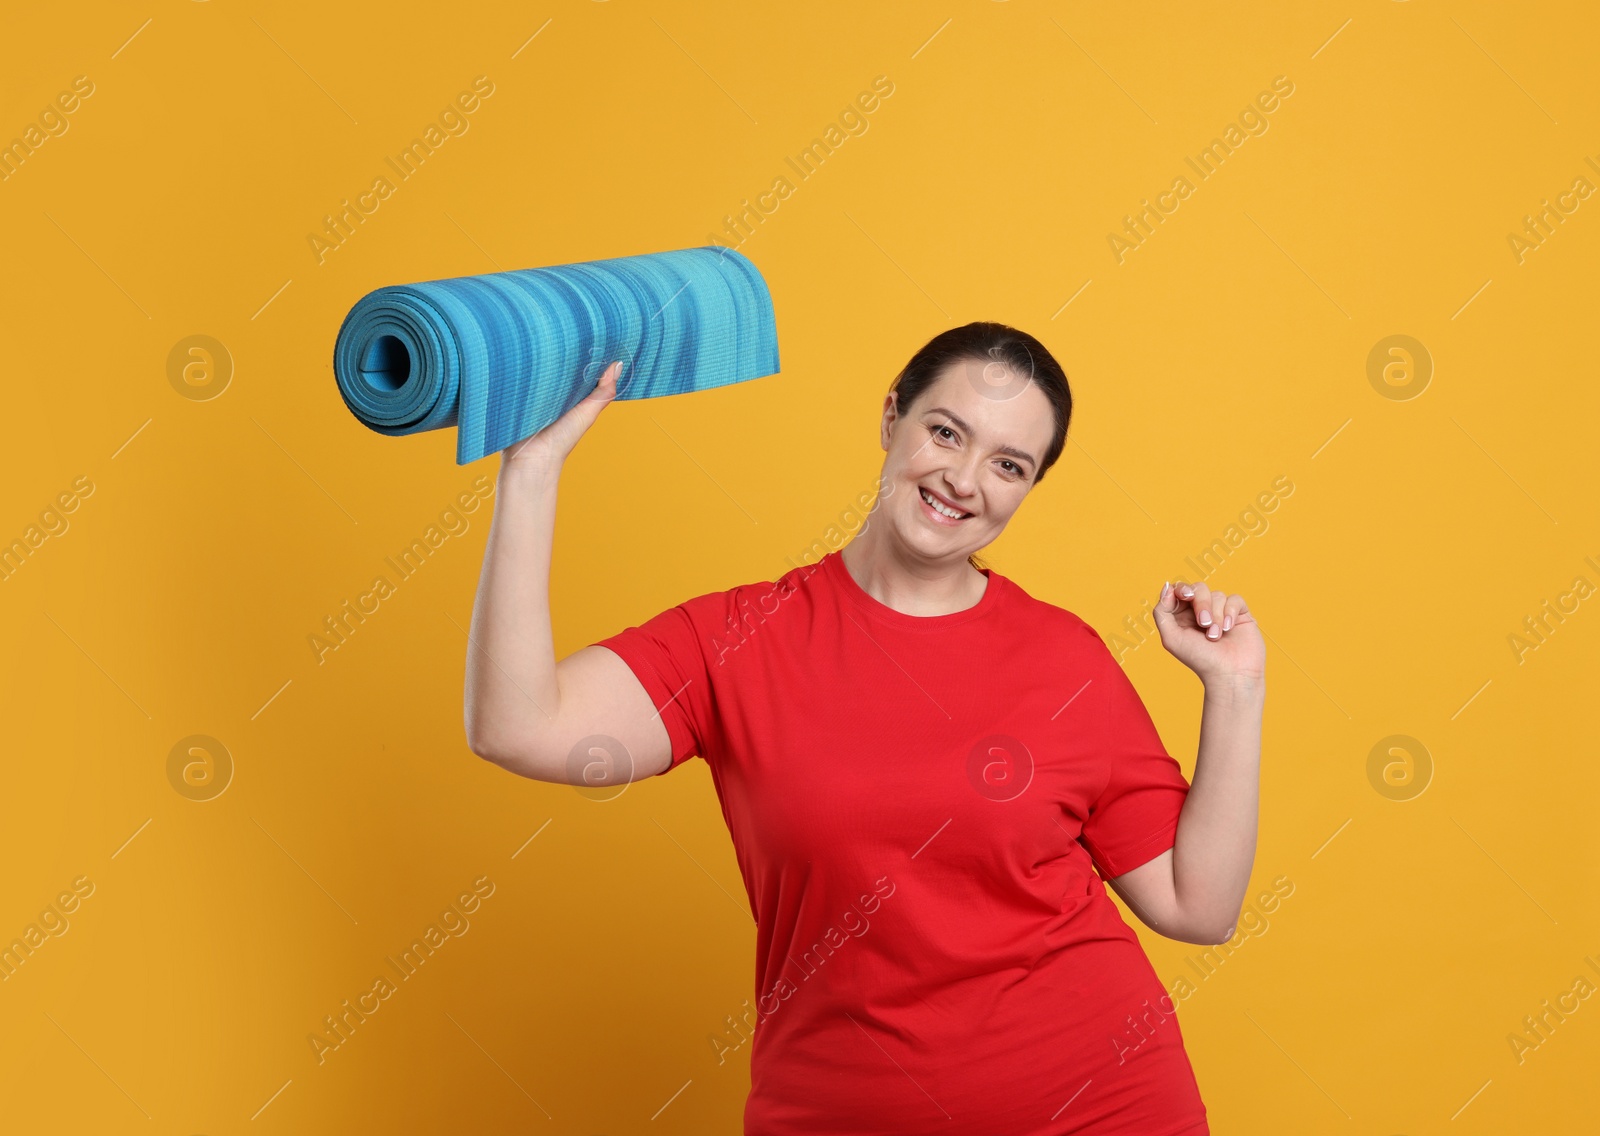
(926,773)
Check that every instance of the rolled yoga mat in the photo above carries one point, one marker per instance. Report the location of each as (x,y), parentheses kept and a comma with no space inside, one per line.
(503,355)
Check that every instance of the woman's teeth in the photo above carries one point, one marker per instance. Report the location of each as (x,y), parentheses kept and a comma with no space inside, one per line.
(941,508)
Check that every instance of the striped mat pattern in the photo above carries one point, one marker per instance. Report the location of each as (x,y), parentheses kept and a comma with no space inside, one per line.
(502,355)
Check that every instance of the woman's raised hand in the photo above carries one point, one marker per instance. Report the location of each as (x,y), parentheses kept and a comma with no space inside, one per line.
(1210,632)
(544,453)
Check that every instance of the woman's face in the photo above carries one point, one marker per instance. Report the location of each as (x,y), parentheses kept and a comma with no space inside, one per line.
(973,439)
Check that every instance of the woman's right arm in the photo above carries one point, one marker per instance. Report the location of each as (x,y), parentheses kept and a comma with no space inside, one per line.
(524,710)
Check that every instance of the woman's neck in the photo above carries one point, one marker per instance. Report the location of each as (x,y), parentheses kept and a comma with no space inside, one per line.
(910,584)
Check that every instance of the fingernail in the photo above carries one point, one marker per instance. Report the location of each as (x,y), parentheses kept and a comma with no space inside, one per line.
(1188,592)
(1227,622)
(1205,619)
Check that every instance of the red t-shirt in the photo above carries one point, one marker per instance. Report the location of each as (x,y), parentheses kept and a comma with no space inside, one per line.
(923,809)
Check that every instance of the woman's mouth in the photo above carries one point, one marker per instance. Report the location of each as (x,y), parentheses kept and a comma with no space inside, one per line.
(941,512)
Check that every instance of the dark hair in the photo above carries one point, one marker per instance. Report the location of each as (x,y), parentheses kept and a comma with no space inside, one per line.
(985,342)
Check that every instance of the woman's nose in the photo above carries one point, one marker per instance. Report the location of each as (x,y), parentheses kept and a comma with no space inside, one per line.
(961,488)
(963,480)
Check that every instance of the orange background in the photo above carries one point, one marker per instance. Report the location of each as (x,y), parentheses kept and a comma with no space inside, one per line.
(217,524)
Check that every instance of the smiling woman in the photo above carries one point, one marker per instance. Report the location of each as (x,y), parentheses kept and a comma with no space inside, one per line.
(967,391)
(896,711)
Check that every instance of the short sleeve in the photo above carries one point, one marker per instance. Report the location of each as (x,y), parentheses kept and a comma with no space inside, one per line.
(1135,817)
(667,653)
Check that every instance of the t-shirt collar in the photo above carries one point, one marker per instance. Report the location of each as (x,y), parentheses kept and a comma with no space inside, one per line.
(834,567)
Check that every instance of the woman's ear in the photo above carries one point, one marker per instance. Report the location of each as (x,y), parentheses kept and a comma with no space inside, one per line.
(890,413)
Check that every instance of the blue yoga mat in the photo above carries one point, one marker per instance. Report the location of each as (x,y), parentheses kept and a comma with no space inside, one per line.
(503,355)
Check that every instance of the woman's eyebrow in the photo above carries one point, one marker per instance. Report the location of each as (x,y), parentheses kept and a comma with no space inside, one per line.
(956,418)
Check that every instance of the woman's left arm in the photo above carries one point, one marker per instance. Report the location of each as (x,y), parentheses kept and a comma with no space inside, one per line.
(1194,892)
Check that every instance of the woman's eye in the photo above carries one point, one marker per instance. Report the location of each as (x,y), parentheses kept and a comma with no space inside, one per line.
(945,433)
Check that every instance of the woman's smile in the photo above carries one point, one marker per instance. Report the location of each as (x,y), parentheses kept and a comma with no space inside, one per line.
(939,509)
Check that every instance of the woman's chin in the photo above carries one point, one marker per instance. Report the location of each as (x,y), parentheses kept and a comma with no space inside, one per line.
(936,543)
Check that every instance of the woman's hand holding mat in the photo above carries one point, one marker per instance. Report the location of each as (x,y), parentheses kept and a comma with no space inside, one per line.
(524,710)
(546,452)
